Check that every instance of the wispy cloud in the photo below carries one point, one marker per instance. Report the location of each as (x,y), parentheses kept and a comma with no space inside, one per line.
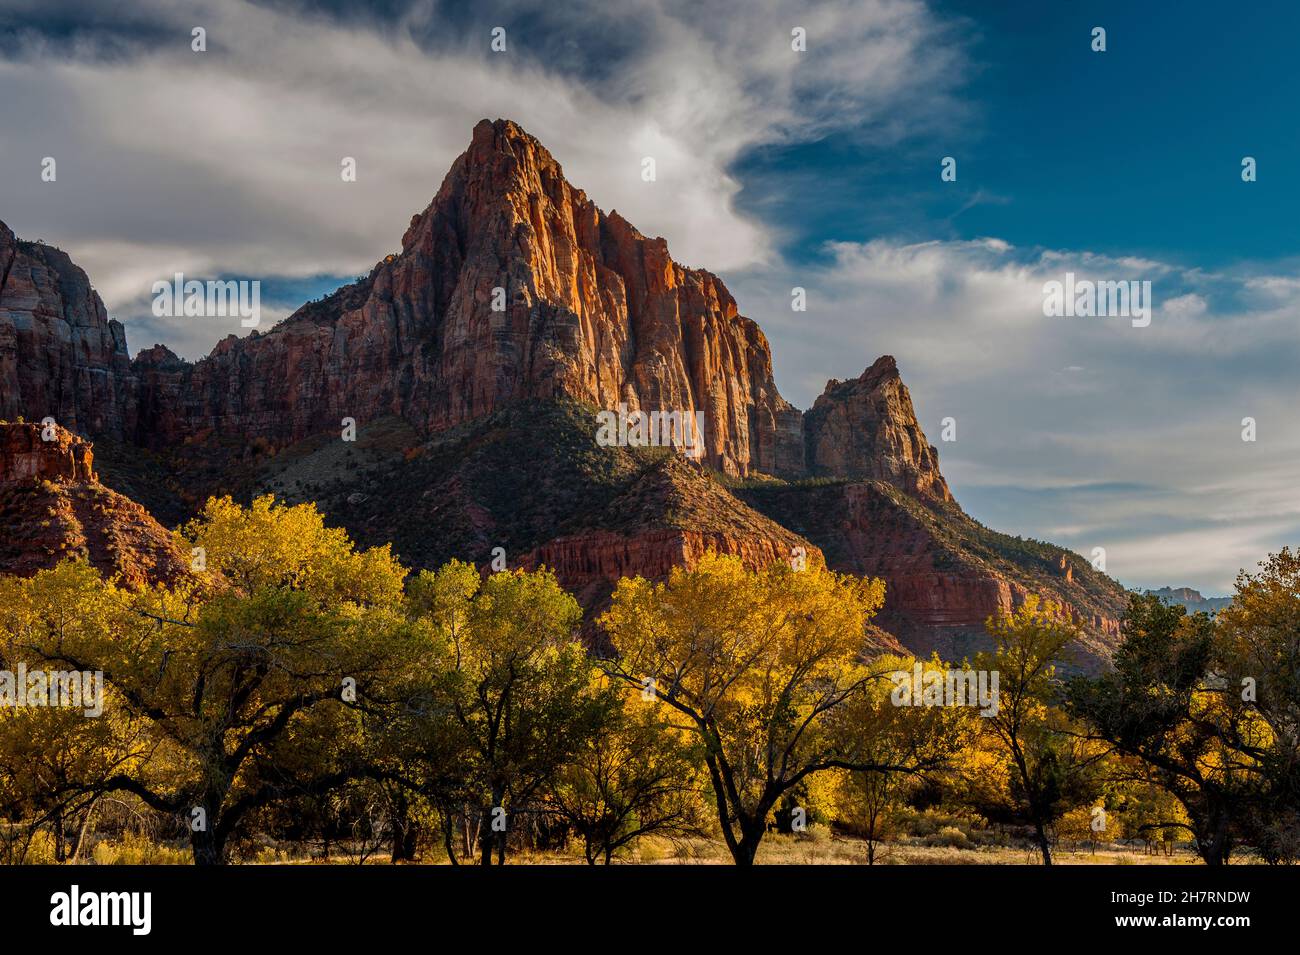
(228,161)
(1087,431)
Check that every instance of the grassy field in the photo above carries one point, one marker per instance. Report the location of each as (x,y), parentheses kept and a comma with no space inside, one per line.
(818,847)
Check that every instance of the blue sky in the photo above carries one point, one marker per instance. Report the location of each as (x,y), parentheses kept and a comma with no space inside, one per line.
(1053,138)
(776,169)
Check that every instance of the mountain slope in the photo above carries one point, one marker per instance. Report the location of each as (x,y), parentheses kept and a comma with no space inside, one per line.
(52,507)
(945,573)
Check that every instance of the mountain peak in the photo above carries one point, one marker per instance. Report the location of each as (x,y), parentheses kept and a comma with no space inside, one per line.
(866,428)
(883,367)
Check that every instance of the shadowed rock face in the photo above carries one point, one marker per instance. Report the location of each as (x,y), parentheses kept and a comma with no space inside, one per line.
(60,355)
(945,574)
(682,513)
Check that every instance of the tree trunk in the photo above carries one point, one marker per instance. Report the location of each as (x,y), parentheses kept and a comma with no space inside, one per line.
(1213,839)
(60,839)
(405,831)
(85,827)
(446,836)
(1044,845)
(487,836)
(209,848)
(209,843)
(751,834)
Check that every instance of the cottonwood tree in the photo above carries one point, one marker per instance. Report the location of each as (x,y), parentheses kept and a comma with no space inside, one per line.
(1257,670)
(908,743)
(52,758)
(637,775)
(518,686)
(241,679)
(1053,766)
(1165,704)
(758,663)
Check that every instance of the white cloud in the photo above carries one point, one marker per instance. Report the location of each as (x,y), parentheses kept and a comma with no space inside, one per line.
(228,161)
(1128,437)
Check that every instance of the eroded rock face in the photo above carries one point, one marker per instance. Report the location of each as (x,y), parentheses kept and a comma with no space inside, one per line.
(52,507)
(592,310)
(944,574)
(866,429)
(60,354)
(25,456)
(591,563)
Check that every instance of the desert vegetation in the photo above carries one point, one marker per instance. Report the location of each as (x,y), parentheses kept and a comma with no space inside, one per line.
(301,699)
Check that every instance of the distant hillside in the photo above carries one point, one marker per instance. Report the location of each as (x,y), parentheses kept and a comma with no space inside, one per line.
(1191,599)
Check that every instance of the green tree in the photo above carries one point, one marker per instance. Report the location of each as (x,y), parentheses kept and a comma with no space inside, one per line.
(53,758)
(244,679)
(758,663)
(1257,678)
(519,685)
(637,775)
(908,743)
(1166,704)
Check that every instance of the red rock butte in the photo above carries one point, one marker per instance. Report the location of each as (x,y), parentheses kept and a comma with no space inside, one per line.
(52,507)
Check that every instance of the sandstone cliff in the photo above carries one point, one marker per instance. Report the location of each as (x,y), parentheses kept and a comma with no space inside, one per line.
(670,515)
(866,429)
(592,311)
(60,354)
(945,574)
(53,507)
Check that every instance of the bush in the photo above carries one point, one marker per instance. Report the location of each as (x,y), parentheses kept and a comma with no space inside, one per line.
(136,849)
(950,837)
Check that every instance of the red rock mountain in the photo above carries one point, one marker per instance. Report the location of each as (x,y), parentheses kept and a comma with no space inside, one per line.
(592,311)
(60,355)
(865,429)
(594,315)
(52,506)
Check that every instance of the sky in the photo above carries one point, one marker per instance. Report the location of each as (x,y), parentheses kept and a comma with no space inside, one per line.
(776,168)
